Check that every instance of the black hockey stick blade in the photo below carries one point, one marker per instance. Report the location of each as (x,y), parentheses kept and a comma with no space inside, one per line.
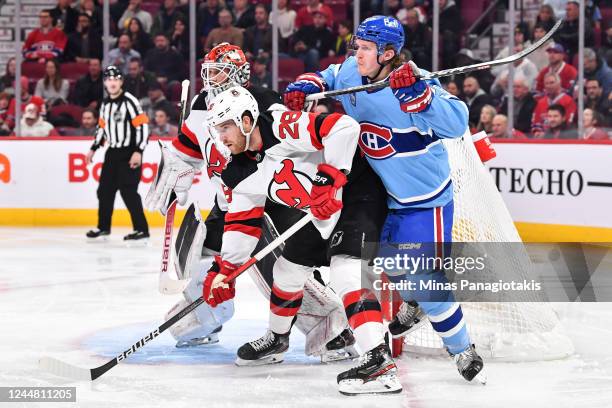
(66,370)
(445,72)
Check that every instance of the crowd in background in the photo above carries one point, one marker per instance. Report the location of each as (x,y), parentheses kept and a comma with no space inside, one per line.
(152,50)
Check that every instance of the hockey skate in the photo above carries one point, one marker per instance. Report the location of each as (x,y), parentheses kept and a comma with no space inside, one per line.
(212,338)
(340,348)
(97,235)
(269,349)
(137,238)
(470,364)
(409,317)
(376,374)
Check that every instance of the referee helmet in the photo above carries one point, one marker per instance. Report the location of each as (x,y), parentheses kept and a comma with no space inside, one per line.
(112,72)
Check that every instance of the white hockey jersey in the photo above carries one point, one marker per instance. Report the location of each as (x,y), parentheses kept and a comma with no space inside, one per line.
(294,143)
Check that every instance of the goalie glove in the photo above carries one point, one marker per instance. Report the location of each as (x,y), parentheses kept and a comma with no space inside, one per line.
(413,94)
(214,290)
(173,174)
(324,188)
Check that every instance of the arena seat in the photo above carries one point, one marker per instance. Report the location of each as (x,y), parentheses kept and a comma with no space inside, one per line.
(289,68)
(74,111)
(33,70)
(73,70)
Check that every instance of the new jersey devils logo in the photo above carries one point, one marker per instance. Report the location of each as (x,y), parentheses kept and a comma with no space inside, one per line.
(216,162)
(375,141)
(288,186)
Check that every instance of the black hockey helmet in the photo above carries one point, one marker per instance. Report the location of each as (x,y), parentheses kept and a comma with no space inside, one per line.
(112,72)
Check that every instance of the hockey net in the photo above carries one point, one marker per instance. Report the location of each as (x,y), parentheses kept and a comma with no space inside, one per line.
(526,330)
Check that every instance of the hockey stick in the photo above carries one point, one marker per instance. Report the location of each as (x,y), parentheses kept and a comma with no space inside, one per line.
(63,369)
(167,285)
(443,73)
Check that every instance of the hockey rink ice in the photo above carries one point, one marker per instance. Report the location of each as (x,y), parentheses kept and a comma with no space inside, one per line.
(85,303)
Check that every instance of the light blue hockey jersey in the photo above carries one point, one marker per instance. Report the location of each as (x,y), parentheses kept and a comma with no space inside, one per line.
(404,149)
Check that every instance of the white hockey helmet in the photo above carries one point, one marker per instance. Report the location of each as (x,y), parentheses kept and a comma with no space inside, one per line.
(225,66)
(231,104)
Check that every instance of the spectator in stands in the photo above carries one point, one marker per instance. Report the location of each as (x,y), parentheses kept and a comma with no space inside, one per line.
(121,56)
(5,99)
(546,17)
(164,61)
(486,119)
(567,35)
(134,10)
(179,37)
(606,44)
(595,67)
(554,95)
(407,5)
(524,104)
(6,81)
(33,124)
(521,40)
(157,100)
(258,38)
(141,40)
(64,16)
(305,15)
(557,65)
(259,73)
(540,56)
(391,7)
(595,98)
(475,98)
(345,35)
(453,89)
(312,42)
(208,17)
(166,17)
(89,123)
(85,42)
(418,39)
(593,121)
(286,23)
(45,42)
(523,68)
(52,87)
(451,26)
(116,11)
(244,14)
(499,127)
(226,32)
(138,81)
(557,127)
(89,89)
(94,11)
(162,127)
(26,98)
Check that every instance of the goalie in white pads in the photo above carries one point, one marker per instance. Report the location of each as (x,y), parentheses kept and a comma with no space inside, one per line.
(301,160)
(322,320)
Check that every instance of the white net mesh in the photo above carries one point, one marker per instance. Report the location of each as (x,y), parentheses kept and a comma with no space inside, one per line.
(520,331)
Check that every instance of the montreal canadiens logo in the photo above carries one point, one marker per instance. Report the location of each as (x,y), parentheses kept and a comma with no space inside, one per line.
(375,141)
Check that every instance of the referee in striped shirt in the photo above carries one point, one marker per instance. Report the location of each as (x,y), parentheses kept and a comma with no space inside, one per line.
(125,128)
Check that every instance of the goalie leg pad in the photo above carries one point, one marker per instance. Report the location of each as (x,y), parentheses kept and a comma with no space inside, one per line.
(189,241)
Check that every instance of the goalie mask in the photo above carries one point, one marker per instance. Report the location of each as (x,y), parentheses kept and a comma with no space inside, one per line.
(223,67)
(231,104)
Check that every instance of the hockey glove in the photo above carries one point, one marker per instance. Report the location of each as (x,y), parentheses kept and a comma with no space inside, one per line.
(324,188)
(413,94)
(214,290)
(305,84)
(173,174)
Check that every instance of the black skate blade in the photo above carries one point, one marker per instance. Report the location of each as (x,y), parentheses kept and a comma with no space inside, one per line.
(267,360)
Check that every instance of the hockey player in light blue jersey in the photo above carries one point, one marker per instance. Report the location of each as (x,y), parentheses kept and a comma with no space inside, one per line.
(402,127)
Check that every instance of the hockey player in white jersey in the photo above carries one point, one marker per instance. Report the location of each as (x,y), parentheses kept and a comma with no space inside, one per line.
(300,160)
(323,321)
(402,127)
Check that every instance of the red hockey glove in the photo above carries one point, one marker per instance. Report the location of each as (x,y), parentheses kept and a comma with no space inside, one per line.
(413,94)
(305,84)
(323,194)
(214,290)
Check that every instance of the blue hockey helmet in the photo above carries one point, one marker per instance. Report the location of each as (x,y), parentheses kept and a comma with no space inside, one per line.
(383,31)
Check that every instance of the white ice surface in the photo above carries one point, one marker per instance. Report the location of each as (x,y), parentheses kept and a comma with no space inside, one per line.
(85,303)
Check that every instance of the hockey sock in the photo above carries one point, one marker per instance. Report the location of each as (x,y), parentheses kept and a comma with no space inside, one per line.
(447,321)
(364,315)
(283,308)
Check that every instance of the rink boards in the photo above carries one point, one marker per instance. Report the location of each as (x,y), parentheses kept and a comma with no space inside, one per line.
(554,190)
